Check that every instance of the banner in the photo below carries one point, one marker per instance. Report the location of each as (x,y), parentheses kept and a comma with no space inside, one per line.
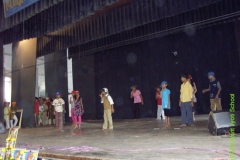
(13,6)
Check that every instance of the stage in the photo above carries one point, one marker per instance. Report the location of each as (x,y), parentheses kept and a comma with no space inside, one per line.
(146,139)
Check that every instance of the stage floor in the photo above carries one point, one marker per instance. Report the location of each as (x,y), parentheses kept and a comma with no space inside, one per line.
(147,139)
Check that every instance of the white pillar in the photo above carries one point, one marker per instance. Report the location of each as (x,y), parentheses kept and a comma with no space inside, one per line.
(70,79)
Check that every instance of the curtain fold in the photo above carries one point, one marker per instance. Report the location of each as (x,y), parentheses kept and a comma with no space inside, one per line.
(124,19)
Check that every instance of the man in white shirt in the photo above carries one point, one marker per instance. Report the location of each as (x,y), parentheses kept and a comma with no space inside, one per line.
(59,107)
(108,103)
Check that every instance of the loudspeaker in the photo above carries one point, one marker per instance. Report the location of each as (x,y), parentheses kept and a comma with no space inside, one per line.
(2,128)
(220,122)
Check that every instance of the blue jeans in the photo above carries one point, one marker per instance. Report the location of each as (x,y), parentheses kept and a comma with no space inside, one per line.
(186,113)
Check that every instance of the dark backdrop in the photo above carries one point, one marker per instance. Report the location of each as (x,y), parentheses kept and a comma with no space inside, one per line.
(146,64)
(24,78)
(83,80)
(56,76)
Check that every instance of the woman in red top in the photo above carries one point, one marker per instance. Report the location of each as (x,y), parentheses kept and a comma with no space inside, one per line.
(160,110)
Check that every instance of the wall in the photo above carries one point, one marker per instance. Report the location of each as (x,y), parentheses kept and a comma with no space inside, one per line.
(1,79)
(23,78)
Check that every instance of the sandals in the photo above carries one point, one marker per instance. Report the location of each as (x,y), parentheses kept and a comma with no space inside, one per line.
(183,125)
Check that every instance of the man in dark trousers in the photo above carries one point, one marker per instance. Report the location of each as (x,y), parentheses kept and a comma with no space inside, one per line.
(215,92)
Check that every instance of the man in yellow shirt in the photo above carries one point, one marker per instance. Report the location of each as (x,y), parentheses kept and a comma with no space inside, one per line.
(186,102)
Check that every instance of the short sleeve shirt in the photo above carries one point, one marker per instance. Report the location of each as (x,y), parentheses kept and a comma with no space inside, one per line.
(165,94)
(137,96)
(58,103)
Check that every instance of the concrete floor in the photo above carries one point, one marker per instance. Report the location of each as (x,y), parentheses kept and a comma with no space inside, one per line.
(147,139)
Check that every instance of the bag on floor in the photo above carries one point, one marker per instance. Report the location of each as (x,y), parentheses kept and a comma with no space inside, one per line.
(2,128)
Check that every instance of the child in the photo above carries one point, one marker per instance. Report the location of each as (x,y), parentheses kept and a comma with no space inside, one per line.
(186,101)
(215,92)
(78,110)
(13,111)
(59,107)
(108,103)
(6,114)
(138,101)
(160,110)
(41,112)
(45,112)
(190,79)
(36,110)
(165,95)
(50,112)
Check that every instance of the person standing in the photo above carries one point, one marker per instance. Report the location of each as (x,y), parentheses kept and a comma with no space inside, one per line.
(59,107)
(160,111)
(186,102)
(7,114)
(72,99)
(45,113)
(165,95)
(108,105)
(138,101)
(190,79)
(78,110)
(41,112)
(36,111)
(215,92)
(13,111)
(50,112)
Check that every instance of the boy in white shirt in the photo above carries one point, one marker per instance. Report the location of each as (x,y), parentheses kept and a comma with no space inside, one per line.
(59,107)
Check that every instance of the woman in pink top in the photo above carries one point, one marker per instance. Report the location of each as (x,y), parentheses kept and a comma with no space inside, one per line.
(138,101)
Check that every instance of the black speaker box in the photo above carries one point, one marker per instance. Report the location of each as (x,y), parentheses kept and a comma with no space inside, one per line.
(220,122)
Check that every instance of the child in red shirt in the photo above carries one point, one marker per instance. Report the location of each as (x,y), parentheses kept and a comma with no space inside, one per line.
(160,110)
(36,110)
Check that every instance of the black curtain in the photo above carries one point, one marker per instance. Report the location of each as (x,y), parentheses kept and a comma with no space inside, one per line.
(83,81)
(147,63)
(46,16)
(56,76)
(25,14)
(137,21)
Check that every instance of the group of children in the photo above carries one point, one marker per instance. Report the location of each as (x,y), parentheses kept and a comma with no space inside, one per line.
(52,112)
(10,116)
(162,96)
(43,111)
(163,100)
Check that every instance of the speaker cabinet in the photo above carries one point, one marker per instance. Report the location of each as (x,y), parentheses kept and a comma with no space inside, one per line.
(220,122)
